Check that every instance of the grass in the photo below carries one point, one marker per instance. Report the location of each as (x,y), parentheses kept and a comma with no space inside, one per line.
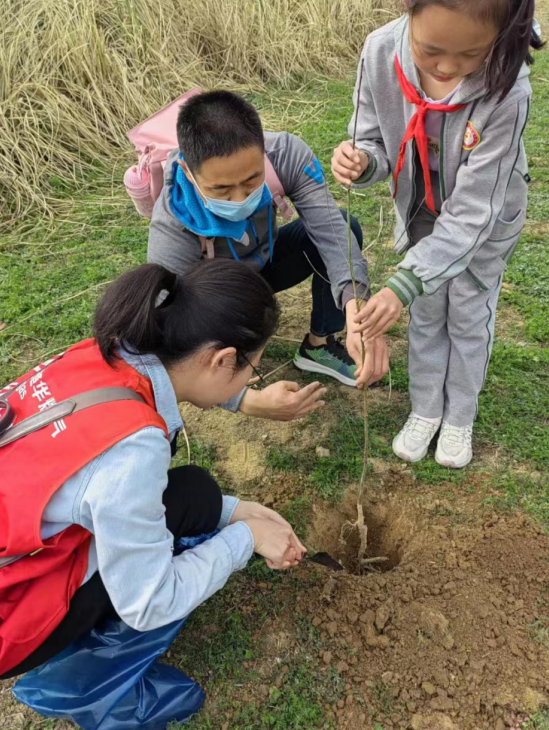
(539,721)
(514,405)
(529,493)
(529,291)
(282,693)
(539,630)
(50,281)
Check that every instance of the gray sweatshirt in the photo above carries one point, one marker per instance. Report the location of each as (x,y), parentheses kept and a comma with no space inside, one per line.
(175,247)
(483,190)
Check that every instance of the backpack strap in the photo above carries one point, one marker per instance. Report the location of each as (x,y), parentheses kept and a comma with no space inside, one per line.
(277,191)
(66,408)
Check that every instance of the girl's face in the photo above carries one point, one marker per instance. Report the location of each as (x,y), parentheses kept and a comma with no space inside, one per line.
(209,377)
(448,45)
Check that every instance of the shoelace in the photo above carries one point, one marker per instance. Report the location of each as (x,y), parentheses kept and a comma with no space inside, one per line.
(419,429)
(336,347)
(458,435)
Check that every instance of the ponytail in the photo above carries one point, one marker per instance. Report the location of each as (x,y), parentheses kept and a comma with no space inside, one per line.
(150,310)
(515,21)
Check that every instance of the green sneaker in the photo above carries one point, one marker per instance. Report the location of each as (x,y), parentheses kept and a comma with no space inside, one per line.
(330,359)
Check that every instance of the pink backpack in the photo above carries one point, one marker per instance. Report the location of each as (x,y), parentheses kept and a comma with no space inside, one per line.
(153,140)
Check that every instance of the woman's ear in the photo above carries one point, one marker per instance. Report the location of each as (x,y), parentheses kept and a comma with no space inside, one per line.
(225,358)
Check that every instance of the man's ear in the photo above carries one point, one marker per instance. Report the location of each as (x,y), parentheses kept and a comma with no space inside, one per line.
(185,169)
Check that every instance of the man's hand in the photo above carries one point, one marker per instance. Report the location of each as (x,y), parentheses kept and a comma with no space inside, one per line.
(376,362)
(380,314)
(376,354)
(283,401)
(348,163)
(354,337)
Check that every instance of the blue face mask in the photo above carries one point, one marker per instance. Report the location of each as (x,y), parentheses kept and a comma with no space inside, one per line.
(234,212)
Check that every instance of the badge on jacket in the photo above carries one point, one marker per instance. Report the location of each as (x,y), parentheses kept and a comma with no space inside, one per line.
(472,137)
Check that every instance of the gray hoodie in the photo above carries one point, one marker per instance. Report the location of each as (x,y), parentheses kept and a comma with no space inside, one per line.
(175,247)
(483,190)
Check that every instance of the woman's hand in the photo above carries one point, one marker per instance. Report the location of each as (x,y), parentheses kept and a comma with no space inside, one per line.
(274,538)
(380,314)
(277,543)
(253,510)
(348,163)
(283,401)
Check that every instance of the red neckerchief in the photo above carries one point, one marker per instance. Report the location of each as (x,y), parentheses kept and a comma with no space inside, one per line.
(416,130)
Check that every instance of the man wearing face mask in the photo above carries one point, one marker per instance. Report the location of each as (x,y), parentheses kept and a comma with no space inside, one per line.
(215,202)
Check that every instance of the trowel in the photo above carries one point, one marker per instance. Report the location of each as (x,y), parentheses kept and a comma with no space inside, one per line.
(324,559)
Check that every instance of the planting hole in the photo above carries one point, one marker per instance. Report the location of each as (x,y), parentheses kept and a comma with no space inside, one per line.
(389,533)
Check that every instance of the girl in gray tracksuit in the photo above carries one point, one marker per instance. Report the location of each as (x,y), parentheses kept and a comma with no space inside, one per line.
(441,103)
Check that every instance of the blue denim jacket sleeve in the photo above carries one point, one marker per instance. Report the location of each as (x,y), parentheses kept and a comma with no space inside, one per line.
(121,504)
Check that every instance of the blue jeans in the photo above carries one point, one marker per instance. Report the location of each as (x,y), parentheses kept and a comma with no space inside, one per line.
(295,258)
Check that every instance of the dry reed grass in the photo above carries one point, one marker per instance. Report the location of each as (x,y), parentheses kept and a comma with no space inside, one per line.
(76,74)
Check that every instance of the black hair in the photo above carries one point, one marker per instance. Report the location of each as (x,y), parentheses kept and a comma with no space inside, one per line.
(221,303)
(217,124)
(514,20)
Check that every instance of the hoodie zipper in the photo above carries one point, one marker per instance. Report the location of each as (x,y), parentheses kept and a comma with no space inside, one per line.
(442,170)
(413,196)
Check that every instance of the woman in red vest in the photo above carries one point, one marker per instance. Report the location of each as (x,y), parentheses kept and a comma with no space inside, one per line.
(89,507)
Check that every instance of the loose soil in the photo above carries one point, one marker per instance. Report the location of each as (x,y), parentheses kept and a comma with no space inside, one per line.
(444,635)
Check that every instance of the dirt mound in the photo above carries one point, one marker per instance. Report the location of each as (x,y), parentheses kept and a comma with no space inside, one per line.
(450,635)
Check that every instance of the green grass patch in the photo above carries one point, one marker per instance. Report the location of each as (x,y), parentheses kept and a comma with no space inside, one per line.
(429,472)
(282,459)
(280,351)
(330,475)
(538,721)
(298,513)
(530,494)
(221,648)
(50,281)
(539,631)
(514,406)
(529,275)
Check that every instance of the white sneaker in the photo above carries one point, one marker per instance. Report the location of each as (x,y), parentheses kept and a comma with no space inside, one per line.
(454,448)
(412,443)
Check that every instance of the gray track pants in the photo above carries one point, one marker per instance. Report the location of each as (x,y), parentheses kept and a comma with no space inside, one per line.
(450,336)
(450,342)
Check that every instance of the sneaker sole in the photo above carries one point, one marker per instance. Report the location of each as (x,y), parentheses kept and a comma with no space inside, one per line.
(310,366)
(452,465)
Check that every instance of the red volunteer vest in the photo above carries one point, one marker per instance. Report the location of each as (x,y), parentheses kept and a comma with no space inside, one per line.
(35,591)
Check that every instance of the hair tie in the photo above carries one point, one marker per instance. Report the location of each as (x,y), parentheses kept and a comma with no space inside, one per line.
(166,296)
(161,298)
